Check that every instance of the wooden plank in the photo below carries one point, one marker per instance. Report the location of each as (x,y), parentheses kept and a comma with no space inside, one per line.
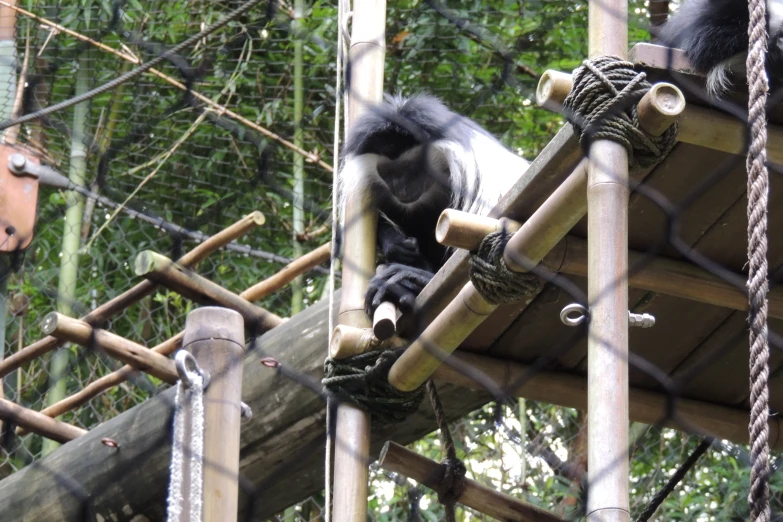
(281,446)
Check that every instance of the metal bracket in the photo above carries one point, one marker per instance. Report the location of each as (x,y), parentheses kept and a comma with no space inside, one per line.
(19,166)
(576,314)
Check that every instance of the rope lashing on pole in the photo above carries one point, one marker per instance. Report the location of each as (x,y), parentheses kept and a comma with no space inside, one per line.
(758,191)
(492,278)
(364,380)
(602,106)
(190,392)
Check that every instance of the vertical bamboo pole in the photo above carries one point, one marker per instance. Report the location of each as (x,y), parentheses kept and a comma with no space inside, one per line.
(364,86)
(297,288)
(69,261)
(216,338)
(607,225)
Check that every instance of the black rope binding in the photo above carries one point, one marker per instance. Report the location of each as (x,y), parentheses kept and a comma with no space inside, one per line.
(602,106)
(453,481)
(363,380)
(492,278)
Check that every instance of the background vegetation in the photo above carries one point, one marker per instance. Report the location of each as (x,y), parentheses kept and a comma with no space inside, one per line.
(157,149)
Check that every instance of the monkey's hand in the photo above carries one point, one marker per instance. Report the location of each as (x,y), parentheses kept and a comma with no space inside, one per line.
(396,247)
(397,284)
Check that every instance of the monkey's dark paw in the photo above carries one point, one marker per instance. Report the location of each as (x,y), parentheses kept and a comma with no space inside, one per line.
(398,284)
(404,251)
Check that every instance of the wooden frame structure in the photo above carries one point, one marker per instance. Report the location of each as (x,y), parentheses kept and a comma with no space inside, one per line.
(561,186)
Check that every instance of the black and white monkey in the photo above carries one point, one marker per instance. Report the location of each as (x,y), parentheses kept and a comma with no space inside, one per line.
(419,158)
(714,36)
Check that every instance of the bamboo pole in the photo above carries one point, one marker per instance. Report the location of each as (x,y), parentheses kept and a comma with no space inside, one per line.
(655,274)
(526,248)
(135,294)
(72,228)
(288,273)
(569,390)
(607,293)
(38,423)
(364,72)
(216,338)
(174,276)
(297,288)
(136,355)
(398,459)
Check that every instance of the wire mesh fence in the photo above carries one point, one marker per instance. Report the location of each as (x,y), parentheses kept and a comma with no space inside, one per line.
(244,120)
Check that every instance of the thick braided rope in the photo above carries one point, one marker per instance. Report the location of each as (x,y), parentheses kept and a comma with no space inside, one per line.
(675,479)
(602,106)
(453,483)
(194,396)
(363,380)
(492,278)
(758,189)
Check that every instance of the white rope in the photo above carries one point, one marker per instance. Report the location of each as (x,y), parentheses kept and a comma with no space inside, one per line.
(341,36)
(192,395)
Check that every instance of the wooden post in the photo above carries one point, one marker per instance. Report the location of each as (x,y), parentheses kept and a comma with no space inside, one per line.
(216,338)
(398,459)
(607,293)
(366,58)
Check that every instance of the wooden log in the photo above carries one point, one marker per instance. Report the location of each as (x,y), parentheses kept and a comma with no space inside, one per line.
(569,390)
(607,292)
(398,459)
(135,294)
(76,331)
(216,337)
(656,274)
(169,346)
(174,276)
(35,422)
(281,445)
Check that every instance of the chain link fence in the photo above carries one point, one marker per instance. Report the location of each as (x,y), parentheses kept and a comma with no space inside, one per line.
(244,121)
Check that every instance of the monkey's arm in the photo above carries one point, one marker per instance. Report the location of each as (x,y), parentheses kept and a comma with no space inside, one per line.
(396,247)
(397,284)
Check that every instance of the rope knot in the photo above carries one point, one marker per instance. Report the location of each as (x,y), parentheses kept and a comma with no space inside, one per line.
(453,483)
(602,106)
(492,278)
(363,380)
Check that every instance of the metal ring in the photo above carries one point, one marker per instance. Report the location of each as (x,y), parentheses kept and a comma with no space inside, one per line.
(568,319)
(187,366)
(247,413)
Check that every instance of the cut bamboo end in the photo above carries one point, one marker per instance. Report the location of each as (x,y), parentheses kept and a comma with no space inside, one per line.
(257,218)
(398,459)
(553,87)
(460,229)
(384,321)
(660,108)
(148,262)
(348,340)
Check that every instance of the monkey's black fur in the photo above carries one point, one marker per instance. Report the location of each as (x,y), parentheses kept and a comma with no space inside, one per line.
(419,159)
(714,36)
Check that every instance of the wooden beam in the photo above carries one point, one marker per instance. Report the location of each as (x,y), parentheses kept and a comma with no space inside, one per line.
(281,445)
(398,459)
(135,294)
(164,271)
(136,355)
(37,423)
(570,390)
